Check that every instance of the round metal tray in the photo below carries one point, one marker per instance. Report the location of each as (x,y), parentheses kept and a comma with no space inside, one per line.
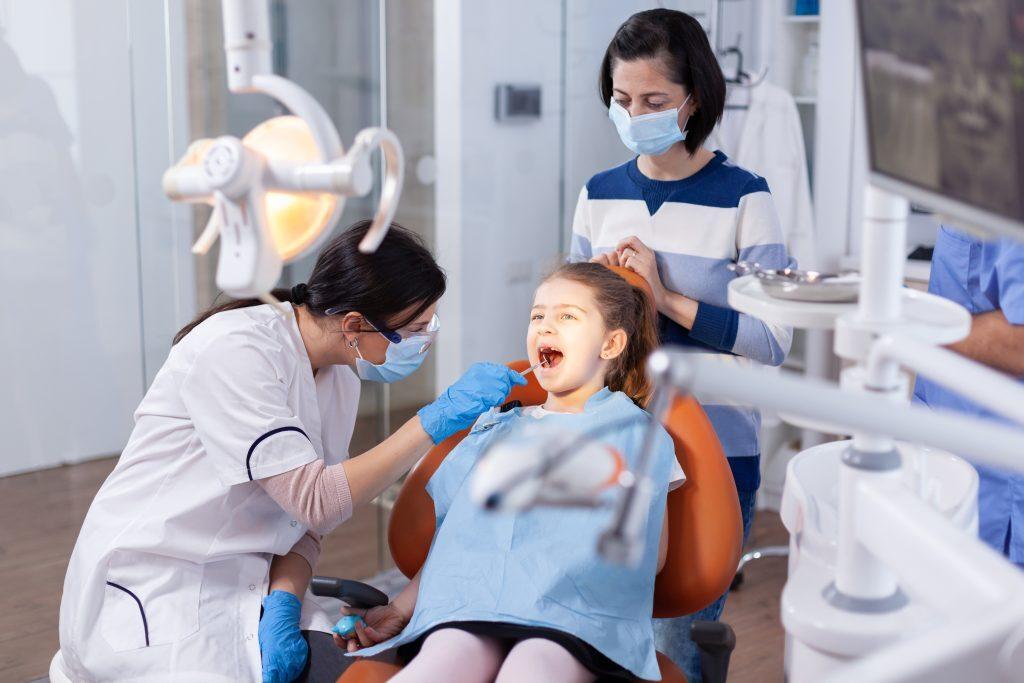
(829,290)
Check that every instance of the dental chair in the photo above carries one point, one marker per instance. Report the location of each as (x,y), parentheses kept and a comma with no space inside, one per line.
(704,536)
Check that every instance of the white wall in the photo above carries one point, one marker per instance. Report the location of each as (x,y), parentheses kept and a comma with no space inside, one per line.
(498,191)
(75,225)
(590,142)
(506,193)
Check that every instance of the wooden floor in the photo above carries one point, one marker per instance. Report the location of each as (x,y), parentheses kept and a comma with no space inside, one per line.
(42,512)
(753,609)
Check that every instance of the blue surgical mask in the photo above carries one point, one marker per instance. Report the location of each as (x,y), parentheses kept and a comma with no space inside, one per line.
(402,358)
(649,134)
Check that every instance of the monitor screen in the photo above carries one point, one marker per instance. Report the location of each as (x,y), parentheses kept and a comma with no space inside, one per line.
(944,87)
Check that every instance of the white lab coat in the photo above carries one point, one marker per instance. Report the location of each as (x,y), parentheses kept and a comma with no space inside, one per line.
(767,138)
(172,563)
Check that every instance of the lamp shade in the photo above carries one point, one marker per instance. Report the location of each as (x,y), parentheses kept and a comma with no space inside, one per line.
(295,220)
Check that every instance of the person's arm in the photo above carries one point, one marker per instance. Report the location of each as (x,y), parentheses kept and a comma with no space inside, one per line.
(282,648)
(369,473)
(717,326)
(405,602)
(293,571)
(996,342)
(322,497)
(679,308)
(382,622)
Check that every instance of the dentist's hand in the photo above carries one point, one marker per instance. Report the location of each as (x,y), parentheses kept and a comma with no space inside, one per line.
(282,647)
(484,386)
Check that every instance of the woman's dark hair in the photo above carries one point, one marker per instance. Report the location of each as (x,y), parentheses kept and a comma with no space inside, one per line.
(623,307)
(400,274)
(679,41)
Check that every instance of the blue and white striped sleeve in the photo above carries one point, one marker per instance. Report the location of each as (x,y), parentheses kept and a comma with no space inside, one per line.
(759,238)
(580,247)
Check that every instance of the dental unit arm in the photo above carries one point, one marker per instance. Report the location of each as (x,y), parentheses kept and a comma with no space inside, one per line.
(502,482)
(268,207)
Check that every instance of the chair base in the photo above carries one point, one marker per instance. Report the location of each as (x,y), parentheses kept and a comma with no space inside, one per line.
(757,554)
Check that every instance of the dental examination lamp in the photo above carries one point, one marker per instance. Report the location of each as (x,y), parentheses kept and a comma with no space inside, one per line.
(277,193)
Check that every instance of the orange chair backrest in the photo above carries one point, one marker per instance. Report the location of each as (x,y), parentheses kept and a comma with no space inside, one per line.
(705,525)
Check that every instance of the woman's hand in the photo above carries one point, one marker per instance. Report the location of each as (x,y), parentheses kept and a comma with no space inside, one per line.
(382,623)
(283,649)
(484,386)
(638,257)
(608,258)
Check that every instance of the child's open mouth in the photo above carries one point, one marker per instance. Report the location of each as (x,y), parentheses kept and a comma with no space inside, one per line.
(550,356)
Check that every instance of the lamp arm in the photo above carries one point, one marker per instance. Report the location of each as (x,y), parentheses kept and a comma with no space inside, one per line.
(391,187)
(983,441)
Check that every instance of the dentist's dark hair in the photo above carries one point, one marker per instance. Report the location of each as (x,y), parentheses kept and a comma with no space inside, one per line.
(401,274)
(626,307)
(679,42)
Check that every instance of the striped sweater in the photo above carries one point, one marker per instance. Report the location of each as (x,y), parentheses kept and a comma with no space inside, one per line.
(697,227)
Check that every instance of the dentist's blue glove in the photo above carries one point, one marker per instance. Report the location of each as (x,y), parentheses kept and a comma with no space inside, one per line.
(283,649)
(484,386)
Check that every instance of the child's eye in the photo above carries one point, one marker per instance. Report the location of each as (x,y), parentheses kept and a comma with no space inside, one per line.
(568,316)
(536,316)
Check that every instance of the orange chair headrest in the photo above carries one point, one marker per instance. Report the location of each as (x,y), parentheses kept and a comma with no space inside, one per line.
(635,279)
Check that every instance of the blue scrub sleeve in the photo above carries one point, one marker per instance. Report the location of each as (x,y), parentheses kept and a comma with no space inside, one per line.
(1010,276)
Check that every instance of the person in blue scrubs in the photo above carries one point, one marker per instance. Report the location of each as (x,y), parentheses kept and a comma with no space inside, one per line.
(987,278)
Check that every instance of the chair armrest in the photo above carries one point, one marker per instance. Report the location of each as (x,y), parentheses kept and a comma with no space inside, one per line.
(716,641)
(353,593)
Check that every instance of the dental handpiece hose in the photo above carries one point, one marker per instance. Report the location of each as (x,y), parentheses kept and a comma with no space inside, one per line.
(623,542)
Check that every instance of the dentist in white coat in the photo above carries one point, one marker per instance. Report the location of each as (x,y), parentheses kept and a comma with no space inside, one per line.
(239,461)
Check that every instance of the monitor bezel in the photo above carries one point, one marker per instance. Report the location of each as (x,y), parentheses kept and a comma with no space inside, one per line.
(955,211)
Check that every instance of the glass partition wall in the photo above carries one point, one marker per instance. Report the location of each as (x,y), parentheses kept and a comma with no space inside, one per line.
(338,51)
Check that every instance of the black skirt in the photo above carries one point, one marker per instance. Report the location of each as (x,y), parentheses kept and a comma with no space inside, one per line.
(605,669)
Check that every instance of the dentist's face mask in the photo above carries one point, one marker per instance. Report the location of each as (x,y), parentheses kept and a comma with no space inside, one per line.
(404,356)
(649,134)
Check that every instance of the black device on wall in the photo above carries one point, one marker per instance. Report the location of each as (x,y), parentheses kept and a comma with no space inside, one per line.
(513,103)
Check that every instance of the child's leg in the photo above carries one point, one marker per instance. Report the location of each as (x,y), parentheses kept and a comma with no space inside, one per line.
(538,659)
(454,655)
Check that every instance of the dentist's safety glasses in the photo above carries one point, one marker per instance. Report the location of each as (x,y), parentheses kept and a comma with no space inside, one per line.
(396,336)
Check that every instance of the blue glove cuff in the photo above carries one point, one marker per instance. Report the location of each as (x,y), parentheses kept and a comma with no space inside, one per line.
(433,422)
(285,603)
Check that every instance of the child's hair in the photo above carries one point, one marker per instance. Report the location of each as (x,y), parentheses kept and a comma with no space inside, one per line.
(624,307)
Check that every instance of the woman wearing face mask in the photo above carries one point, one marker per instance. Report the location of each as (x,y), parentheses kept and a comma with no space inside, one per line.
(678,214)
(194,555)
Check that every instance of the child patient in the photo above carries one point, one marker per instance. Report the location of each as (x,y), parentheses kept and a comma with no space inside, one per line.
(525,597)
